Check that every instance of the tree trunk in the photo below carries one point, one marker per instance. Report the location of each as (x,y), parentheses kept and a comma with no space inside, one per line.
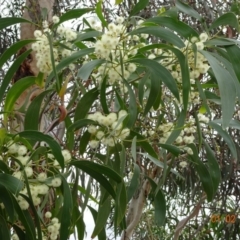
(33,12)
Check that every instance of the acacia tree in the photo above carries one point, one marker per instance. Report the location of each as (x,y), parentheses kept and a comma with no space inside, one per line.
(146,105)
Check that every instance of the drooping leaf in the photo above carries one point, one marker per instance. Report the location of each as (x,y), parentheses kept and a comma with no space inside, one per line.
(31,120)
(104,170)
(162,33)
(12,50)
(10,73)
(159,204)
(13,184)
(233,53)
(183,7)
(160,164)
(6,199)
(66,211)
(226,86)
(120,204)
(102,234)
(174,24)
(227,138)
(213,167)
(226,19)
(9,21)
(103,96)
(88,35)
(66,61)
(134,182)
(4,232)
(85,71)
(80,123)
(96,171)
(158,71)
(41,137)
(74,13)
(14,93)
(99,13)
(203,172)
(85,103)
(132,109)
(141,4)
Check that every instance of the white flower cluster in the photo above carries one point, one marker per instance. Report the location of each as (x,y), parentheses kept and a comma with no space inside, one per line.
(113,46)
(111,129)
(37,191)
(183,164)
(53,229)
(42,47)
(41,187)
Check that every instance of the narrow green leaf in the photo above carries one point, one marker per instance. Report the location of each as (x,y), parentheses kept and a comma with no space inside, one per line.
(66,217)
(172,149)
(226,19)
(120,204)
(181,28)
(134,182)
(162,73)
(66,61)
(219,42)
(79,223)
(20,232)
(155,91)
(233,53)
(4,232)
(10,73)
(70,141)
(6,199)
(74,13)
(203,173)
(85,164)
(178,128)
(227,138)
(226,86)
(80,123)
(102,216)
(9,21)
(160,164)
(132,109)
(32,116)
(102,234)
(85,71)
(213,167)
(85,104)
(159,204)
(99,13)
(38,136)
(12,50)
(133,149)
(141,4)
(96,171)
(183,7)
(84,142)
(160,208)
(88,35)
(14,93)
(141,85)
(103,96)
(13,184)
(162,33)
(143,142)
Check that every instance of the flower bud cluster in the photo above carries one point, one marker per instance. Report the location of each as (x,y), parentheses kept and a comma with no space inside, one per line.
(53,229)
(42,47)
(110,131)
(41,183)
